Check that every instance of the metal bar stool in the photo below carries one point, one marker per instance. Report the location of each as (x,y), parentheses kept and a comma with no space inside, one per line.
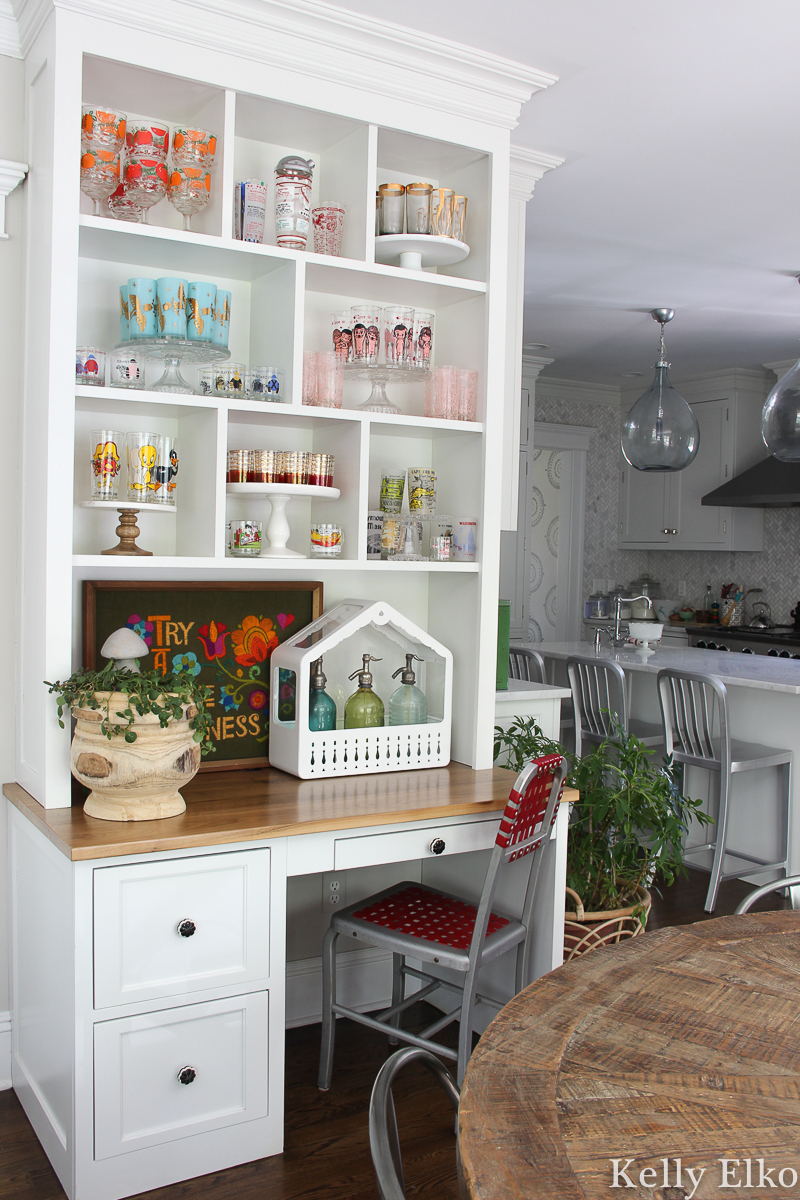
(384,1143)
(526,664)
(693,707)
(777,885)
(599,695)
(437,928)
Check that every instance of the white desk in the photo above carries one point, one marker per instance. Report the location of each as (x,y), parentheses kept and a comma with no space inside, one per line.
(110,1000)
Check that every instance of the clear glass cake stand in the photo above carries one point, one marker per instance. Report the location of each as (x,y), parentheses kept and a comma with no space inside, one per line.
(378,401)
(173,351)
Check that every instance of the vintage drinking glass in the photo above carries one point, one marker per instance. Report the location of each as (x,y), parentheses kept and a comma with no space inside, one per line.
(460,218)
(99,174)
(106,447)
(122,207)
(398,332)
(189,191)
(422,348)
(330,380)
(418,207)
(165,472)
(442,212)
(328,222)
(342,333)
(366,323)
(309,377)
(147,140)
(391,207)
(193,147)
(103,127)
(145,183)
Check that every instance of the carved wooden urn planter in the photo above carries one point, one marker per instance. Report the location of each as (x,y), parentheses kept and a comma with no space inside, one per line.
(138,780)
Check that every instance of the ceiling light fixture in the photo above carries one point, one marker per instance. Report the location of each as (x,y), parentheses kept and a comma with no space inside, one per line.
(780,417)
(660,432)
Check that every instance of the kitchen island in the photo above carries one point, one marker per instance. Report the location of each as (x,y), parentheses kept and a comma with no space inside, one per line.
(764,705)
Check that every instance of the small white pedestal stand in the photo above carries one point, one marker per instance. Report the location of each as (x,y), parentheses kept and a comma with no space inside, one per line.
(279,495)
(417,250)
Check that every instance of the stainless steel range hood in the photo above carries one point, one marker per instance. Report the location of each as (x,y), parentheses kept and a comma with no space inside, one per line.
(769,484)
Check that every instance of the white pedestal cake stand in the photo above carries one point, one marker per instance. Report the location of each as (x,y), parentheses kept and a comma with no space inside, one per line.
(279,495)
(417,250)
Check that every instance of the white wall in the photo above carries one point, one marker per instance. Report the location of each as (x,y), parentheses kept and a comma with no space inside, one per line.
(11,263)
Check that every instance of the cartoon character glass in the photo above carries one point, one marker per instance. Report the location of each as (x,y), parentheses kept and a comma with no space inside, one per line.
(105,445)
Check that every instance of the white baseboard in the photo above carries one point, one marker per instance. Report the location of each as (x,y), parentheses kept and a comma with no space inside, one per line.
(5,1050)
(363,982)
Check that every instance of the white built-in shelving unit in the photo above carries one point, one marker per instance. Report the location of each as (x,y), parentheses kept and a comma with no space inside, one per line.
(369,104)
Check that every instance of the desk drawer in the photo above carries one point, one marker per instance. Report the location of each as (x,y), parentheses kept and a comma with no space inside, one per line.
(410,844)
(221,901)
(139,1098)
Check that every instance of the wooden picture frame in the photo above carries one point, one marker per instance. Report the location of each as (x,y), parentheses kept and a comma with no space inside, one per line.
(223,632)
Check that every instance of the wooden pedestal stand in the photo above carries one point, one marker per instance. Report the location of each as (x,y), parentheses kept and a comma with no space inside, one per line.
(127,531)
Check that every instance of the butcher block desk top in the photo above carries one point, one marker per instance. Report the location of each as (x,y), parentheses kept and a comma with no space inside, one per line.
(682,1044)
(242,806)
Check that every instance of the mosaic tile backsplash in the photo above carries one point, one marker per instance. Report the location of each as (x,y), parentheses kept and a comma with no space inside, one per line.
(776,568)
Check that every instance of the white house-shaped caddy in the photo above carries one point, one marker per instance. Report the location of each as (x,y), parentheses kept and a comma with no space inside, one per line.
(341,637)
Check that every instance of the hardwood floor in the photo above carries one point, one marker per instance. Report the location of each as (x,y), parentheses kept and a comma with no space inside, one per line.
(327,1148)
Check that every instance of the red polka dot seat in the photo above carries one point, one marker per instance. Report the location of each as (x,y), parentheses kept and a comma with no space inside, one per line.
(447,931)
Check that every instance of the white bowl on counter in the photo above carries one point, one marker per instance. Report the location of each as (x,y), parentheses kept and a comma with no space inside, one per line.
(645,632)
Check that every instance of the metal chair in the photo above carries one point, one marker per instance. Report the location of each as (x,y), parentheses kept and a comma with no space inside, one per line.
(694,710)
(526,664)
(777,885)
(384,1143)
(437,928)
(599,696)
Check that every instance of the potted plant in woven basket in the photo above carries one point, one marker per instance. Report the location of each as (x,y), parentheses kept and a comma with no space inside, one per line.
(627,826)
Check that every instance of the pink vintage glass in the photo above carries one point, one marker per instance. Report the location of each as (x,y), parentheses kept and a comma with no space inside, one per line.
(467,394)
(330,380)
(328,222)
(145,183)
(309,377)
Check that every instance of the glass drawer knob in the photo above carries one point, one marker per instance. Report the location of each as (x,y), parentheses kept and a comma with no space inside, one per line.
(187,1075)
(437,846)
(186,927)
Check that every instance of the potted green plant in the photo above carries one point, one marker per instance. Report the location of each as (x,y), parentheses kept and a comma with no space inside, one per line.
(139,735)
(627,826)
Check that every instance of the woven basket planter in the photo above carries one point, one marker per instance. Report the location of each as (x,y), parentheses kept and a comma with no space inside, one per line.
(588,931)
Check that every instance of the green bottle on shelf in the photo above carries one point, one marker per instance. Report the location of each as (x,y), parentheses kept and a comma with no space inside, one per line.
(364,709)
(321,708)
(408,706)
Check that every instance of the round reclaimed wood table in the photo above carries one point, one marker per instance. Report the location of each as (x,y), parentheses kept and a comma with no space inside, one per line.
(634,1071)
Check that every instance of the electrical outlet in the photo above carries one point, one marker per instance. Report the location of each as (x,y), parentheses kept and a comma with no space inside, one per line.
(333,890)
(681,587)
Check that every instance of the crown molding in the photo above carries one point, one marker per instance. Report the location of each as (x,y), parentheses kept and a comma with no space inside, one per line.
(532,364)
(780,368)
(327,43)
(578,392)
(526,169)
(11,173)
(9,31)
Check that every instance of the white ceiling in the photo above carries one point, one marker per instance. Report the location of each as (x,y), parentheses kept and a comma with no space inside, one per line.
(680,127)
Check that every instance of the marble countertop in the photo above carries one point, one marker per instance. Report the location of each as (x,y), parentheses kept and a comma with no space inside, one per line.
(522,689)
(735,670)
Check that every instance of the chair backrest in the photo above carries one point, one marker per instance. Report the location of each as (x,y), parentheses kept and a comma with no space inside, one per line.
(384,1144)
(526,664)
(694,713)
(525,826)
(598,696)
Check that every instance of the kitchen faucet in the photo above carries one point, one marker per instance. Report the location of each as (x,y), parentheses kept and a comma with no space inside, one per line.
(614,632)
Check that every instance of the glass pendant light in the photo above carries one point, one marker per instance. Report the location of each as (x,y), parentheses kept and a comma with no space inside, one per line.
(780,418)
(660,432)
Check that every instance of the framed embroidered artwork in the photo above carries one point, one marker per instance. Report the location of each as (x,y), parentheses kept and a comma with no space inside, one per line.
(222,632)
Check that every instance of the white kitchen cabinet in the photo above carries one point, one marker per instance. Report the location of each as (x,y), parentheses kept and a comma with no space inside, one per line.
(661,510)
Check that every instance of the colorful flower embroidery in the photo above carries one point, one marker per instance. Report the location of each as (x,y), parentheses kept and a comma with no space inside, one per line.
(186,662)
(255,641)
(142,627)
(213,638)
(226,699)
(257,699)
